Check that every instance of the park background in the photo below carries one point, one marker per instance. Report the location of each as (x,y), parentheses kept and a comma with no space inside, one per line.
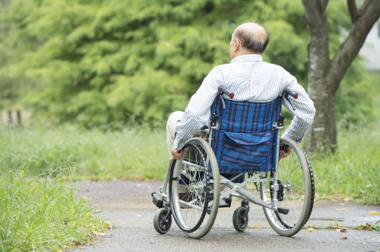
(93,82)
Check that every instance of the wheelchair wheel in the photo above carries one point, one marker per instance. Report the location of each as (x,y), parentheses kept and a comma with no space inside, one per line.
(160,222)
(239,220)
(295,174)
(194,189)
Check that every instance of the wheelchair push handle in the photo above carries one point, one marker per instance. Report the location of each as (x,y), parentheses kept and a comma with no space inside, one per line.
(220,93)
(286,94)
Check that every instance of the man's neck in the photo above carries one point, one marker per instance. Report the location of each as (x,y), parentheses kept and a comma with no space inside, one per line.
(246,52)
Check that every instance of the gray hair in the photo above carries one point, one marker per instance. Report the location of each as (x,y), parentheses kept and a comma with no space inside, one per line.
(252,36)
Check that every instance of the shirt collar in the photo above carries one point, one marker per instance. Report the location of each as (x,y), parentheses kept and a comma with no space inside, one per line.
(247,58)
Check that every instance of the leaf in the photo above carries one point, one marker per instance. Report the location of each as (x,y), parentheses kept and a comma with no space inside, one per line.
(343,209)
(102,234)
(373,212)
(343,230)
(310,230)
(343,238)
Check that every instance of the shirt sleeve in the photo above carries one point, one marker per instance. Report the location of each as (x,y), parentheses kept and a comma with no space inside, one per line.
(304,109)
(197,112)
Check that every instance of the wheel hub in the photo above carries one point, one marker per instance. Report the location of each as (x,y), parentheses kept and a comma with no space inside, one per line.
(288,186)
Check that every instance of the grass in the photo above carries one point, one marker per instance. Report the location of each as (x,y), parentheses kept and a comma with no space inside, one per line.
(86,154)
(352,172)
(335,225)
(331,225)
(368,227)
(43,214)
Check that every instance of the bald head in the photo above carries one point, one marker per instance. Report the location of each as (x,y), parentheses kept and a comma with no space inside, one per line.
(252,37)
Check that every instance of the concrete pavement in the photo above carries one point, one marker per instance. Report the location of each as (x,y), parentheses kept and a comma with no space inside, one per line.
(128,205)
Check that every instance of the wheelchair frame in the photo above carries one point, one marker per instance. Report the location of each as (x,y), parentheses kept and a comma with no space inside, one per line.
(240,191)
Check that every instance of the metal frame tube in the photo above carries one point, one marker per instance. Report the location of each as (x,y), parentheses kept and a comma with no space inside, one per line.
(242,191)
(166,179)
(275,186)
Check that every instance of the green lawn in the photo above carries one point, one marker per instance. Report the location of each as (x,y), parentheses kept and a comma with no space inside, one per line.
(142,154)
(86,154)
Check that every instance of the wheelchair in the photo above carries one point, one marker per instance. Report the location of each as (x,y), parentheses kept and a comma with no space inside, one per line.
(241,155)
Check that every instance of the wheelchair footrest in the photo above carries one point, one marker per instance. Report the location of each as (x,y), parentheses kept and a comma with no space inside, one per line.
(283,210)
(225,202)
(157,200)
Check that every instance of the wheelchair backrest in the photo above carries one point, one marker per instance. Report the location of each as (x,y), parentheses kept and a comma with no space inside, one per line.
(245,141)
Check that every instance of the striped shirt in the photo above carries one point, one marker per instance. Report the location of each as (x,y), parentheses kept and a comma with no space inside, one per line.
(253,80)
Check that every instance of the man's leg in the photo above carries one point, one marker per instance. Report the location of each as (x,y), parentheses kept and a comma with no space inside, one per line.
(170,136)
(170,129)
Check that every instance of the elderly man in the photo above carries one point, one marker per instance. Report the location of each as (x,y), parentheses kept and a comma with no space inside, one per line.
(250,79)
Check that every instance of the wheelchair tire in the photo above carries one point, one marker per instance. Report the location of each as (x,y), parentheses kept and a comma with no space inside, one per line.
(194,189)
(161,224)
(296,175)
(240,222)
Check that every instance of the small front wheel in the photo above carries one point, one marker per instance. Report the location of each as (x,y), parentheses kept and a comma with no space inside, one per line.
(240,219)
(162,223)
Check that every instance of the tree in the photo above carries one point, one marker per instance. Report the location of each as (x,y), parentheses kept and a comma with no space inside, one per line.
(97,61)
(104,61)
(325,74)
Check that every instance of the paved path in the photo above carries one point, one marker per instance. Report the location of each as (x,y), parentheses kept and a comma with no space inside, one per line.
(128,205)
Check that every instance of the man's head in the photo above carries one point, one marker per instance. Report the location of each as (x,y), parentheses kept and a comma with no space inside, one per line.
(248,38)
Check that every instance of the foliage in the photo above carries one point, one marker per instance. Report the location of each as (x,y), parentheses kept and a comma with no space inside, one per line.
(356,96)
(42,214)
(96,61)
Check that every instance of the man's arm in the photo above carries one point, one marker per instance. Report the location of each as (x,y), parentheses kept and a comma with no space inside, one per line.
(304,109)
(197,112)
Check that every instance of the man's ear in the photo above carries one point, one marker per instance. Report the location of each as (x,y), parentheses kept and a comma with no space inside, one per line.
(236,45)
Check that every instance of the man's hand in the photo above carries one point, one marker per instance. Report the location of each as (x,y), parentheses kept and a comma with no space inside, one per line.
(284,154)
(177,154)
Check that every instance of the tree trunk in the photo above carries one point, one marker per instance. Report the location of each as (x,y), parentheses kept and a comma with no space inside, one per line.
(325,75)
(322,135)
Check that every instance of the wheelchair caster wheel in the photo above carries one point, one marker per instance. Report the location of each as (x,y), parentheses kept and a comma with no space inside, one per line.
(160,222)
(239,219)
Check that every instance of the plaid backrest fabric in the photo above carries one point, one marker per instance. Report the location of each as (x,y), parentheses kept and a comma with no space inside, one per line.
(245,140)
